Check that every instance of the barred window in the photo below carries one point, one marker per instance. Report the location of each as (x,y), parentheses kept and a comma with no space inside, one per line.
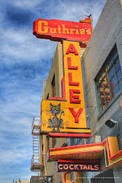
(109,80)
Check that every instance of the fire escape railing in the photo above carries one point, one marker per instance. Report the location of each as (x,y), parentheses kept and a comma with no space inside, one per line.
(36,165)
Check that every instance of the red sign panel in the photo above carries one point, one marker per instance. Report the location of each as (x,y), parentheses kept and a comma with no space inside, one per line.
(77,166)
(58,30)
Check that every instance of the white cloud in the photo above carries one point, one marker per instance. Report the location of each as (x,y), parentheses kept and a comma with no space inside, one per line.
(13,155)
(24,4)
(25,46)
(18,113)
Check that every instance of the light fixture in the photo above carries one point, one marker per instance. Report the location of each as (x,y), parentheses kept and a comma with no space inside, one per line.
(111,123)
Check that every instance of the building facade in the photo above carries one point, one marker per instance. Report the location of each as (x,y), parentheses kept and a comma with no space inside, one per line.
(101,65)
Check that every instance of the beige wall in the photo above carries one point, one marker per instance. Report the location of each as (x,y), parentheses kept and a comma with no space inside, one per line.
(56,69)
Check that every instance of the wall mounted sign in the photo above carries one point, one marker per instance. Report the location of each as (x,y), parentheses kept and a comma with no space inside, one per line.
(87,156)
(73,75)
(77,167)
(68,115)
(58,117)
(58,30)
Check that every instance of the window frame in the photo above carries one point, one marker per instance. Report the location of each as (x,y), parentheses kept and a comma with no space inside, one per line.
(109,74)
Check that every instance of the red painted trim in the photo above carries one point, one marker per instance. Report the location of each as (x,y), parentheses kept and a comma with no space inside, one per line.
(72,147)
(104,142)
(78,161)
(63,98)
(115,164)
(109,157)
(77,146)
(121,104)
(65,176)
(108,149)
(57,98)
(116,155)
(95,151)
(70,135)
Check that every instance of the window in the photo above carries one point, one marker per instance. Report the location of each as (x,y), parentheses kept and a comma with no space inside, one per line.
(109,80)
(53,87)
(47,96)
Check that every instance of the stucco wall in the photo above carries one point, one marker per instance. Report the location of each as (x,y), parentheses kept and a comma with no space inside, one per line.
(56,69)
(107,32)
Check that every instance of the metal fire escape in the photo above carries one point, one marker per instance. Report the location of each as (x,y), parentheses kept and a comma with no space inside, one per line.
(36,164)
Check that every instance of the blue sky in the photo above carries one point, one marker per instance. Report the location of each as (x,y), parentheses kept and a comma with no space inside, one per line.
(25,62)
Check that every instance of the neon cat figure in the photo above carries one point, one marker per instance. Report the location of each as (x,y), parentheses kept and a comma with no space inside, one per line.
(55,121)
